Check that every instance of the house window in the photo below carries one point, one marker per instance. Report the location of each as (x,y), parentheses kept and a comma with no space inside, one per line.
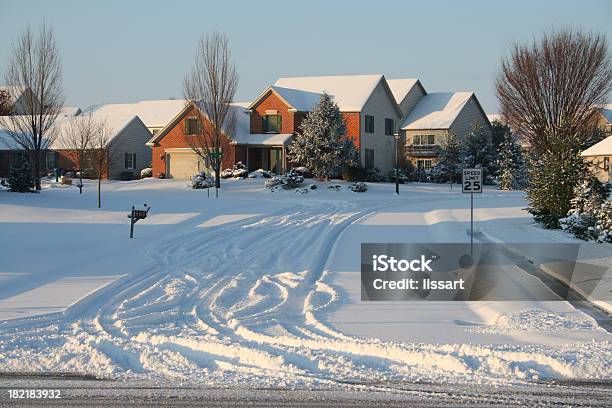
(51,160)
(425,164)
(369,124)
(606,163)
(130,161)
(369,158)
(271,123)
(192,126)
(389,126)
(423,139)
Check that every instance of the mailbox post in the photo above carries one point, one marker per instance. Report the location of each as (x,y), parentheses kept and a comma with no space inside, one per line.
(137,215)
(471,183)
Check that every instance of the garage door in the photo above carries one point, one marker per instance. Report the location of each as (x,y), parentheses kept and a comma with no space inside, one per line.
(184,165)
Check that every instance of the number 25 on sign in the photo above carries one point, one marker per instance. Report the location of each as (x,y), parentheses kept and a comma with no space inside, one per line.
(472,181)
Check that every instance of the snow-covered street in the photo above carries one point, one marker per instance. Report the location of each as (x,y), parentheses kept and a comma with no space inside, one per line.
(263,289)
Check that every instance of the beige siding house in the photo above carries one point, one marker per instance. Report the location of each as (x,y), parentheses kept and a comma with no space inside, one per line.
(604,119)
(407,92)
(600,156)
(433,118)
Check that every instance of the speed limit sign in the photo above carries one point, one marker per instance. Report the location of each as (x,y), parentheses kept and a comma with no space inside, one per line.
(472,181)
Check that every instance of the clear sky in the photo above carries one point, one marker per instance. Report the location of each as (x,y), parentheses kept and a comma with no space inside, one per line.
(125,51)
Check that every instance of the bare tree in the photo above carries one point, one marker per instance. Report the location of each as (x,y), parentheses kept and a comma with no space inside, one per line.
(210,87)
(548,90)
(78,137)
(35,64)
(103,153)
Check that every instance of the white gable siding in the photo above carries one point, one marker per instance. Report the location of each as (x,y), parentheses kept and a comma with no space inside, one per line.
(132,139)
(381,105)
(469,116)
(410,101)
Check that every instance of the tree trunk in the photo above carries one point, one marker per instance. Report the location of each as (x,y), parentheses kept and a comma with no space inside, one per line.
(36,168)
(99,189)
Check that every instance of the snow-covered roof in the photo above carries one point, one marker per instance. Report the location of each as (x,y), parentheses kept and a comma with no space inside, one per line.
(68,111)
(300,100)
(436,110)
(350,92)
(603,148)
(401,87)
(154,114)
(494,117)
(114,125)
(267,139)
(606,111)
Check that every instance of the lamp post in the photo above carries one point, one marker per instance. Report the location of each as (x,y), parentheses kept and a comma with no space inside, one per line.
(396,136)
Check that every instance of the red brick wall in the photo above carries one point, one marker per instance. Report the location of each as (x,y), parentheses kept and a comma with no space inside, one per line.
(176,138)
(353,127)
(273,102)
(68,160)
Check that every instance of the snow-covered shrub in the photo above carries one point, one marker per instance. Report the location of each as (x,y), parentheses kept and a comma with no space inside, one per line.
(302,190)
(401,177)
(20,178)
(358,187)
(227,173)
(375,175)
(585,211)
(161,175)
(334,187)
(146,172)
(292,180)
(421,176)
(313,187)
(273,183)
(69,174)
(240,173)
(201,180)
(238,170)
(437,174)
(260,173)
(303,171)
(603,224)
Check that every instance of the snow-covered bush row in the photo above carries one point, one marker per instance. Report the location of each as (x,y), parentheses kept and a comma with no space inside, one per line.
(358,187)
(590,215)
(201,180)
(288,181)
(260,173)
(146,172)
(238,170)
(303,171)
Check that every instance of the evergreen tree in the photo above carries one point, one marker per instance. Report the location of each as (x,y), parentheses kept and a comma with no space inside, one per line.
(449,161)
(477,151)
(589,196)
(512,170)
(322,145)
(20,177)
(498,133)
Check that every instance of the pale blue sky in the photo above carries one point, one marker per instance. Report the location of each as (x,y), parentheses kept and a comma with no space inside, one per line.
(124,51)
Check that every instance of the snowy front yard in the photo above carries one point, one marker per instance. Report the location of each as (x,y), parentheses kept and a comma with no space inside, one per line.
(262,288)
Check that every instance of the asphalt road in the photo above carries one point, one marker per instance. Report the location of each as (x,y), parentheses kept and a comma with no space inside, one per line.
(90,392)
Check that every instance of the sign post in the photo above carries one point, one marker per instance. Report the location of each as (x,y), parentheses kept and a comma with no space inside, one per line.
(471,183)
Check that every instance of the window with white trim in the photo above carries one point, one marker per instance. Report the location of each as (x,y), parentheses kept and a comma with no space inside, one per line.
(425,164)
(130,161)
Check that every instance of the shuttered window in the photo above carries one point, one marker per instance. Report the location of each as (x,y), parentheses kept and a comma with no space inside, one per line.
(130,161)
(389,126)
(369,124)
(271,123)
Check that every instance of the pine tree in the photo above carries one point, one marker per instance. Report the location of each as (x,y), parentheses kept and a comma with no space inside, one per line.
(512,173)
(322,145)
(589,196)
(449,161)
(20,178)
(477,151)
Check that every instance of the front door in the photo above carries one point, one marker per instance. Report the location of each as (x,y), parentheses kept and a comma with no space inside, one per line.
(275,160)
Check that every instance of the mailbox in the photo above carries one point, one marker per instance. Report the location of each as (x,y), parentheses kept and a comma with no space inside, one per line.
(137,215)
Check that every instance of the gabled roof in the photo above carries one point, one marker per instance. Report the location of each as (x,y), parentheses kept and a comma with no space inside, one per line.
(243,122)
(401,87)
(302,101)
(350,92)
(154,114)
(68,111)
(493,117)
(603,148)
(114,125)
(606,112)
(436,110)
